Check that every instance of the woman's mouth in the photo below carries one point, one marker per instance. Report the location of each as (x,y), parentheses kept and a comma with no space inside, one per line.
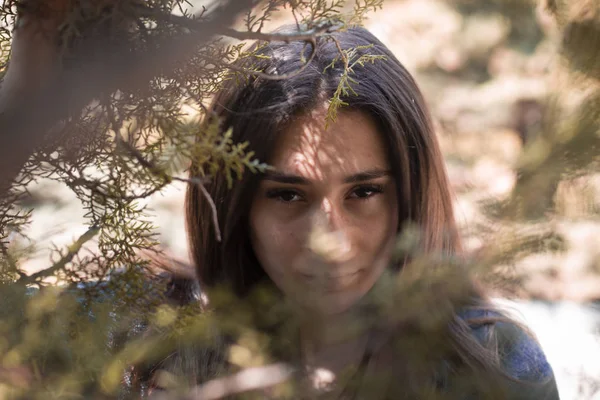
(333,281)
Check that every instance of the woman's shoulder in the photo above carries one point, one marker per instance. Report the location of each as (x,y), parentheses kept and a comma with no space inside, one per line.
(521,355)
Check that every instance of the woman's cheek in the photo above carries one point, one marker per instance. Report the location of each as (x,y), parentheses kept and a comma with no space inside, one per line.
(280,246)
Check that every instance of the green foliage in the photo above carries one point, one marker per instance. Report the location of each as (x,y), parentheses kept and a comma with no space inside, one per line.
(350,58)
(218,152)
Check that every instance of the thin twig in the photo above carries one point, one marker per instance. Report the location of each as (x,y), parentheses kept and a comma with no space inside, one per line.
(301,36)
(272,77)
(154,169)
(296,18)
(209,199)
(195,24)
(309,36)
(65,259)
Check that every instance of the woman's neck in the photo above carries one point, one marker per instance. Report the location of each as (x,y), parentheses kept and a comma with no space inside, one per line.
(323,330)
(332,341)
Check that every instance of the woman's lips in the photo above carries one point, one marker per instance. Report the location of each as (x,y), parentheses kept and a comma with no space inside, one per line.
(332,282)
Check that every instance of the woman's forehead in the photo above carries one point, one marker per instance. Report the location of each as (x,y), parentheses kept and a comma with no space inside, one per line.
(312,148)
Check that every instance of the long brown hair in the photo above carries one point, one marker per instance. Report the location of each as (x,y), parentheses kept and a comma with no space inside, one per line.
(258,111)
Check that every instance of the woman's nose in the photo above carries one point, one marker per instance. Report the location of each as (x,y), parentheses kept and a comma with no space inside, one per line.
(327,238)
(329,215)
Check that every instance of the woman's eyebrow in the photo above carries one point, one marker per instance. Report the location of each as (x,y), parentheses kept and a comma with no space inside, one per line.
(367,176)
(290,179)
(285,178)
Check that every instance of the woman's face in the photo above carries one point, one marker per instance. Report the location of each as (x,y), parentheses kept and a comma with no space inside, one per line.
(323,221)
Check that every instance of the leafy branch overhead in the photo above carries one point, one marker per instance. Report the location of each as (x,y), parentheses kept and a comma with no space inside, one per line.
(115,141)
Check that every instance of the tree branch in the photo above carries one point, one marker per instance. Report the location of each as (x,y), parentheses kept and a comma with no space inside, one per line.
(273,77)
(308,36)
(195,24)
(26,119)
(158,172)
(65,259)
(154,169)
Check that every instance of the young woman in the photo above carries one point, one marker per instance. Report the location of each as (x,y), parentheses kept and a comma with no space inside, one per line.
(320,228)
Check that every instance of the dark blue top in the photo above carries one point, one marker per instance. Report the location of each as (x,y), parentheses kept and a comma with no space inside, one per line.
(521,356)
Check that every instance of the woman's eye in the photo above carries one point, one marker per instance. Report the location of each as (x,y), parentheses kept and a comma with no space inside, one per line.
(286,196)
(364,192)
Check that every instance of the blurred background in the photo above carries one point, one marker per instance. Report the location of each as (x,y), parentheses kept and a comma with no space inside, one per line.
(487,70)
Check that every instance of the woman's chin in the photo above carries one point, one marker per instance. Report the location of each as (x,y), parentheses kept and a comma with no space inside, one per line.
(332,302)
